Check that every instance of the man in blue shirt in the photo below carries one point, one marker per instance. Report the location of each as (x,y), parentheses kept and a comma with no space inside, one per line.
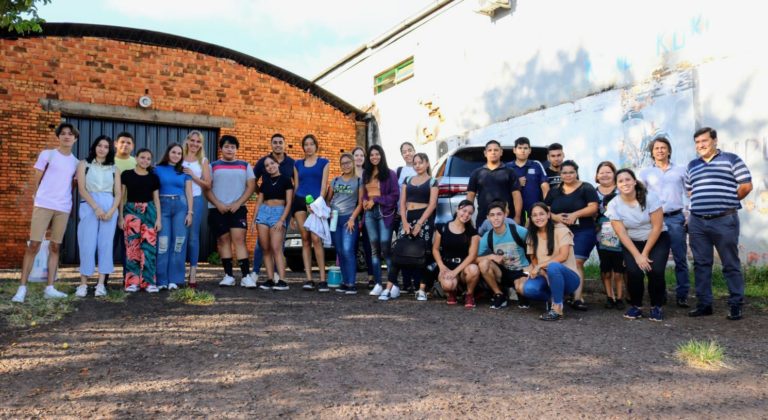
(667,181)
(287,165)
(717,182)
(502,254)
(534,184)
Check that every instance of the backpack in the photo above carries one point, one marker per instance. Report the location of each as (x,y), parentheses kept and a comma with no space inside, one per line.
(516,236)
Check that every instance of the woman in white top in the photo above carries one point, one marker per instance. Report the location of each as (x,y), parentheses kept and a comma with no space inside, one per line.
(196,166)
(638,219)
(98,182)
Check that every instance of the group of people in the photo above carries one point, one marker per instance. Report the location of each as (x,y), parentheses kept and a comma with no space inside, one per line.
(536,224)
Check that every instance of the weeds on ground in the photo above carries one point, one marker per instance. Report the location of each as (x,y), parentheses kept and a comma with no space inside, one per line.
(36,310)
(115,296)
(191,297)
(701,354)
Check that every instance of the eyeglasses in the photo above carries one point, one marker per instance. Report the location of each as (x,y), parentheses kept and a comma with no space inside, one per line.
(346,162)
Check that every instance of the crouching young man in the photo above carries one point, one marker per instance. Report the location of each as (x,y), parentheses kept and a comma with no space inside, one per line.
(502,254)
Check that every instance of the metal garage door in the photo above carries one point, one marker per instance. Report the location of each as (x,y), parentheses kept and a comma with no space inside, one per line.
(152,136)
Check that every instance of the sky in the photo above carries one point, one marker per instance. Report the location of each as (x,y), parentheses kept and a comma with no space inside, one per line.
(301,36)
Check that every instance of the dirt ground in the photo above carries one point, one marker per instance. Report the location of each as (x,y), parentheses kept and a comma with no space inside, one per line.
(258,354)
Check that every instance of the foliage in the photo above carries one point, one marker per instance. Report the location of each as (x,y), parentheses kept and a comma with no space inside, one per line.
(191,297)
(701,354)
(21,15)
(116,296)
(214,258)
(36,310)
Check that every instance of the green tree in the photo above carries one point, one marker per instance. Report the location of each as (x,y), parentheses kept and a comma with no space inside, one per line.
(21,15)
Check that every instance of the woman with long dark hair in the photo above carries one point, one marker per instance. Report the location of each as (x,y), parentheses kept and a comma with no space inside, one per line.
(175,197)
(311,174)
(455,251)
(574,203)
(197,167)
(553,271)
(359,154)
(608,244)
(380,195)
(272,208)
(140,220)
(638,219)
(418,201)
(98,181)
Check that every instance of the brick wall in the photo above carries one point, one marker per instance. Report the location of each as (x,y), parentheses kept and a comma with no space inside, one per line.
(104,71)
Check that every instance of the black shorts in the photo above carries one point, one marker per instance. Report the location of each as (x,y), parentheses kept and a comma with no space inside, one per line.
(508,278)
(299,204)
(220,224)
(611,261)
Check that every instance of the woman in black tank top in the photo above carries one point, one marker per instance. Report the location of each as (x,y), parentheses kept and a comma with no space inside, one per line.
(455,250)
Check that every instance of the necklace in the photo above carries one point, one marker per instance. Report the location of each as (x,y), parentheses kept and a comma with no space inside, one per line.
(276,180)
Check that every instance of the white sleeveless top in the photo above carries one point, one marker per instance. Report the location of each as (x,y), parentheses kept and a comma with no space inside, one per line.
(197,169)
(99,178)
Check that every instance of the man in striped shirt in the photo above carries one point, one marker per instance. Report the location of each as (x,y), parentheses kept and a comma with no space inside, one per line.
(717,182)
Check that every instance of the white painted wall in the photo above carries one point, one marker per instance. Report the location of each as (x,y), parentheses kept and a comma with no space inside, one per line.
(599,77)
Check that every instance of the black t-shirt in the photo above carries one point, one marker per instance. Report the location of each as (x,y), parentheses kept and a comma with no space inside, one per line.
(454,245)
(492,185)
(275,188)
(140,187)
(559,202)
(554,178)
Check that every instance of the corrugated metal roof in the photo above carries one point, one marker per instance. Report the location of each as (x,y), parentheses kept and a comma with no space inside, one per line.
(147,37)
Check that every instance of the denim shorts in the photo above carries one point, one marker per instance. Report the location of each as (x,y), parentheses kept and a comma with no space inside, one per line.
(269,215)
(584,241)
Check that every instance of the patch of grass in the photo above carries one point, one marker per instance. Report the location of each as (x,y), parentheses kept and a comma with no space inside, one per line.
(192,297)
(116,296)
(701,354)
(36,310)
(214,258)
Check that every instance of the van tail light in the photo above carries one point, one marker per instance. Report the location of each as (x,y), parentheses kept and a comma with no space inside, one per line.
(449,190)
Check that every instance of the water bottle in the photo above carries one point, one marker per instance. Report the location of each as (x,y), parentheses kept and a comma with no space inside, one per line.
(309,199)
(334,220)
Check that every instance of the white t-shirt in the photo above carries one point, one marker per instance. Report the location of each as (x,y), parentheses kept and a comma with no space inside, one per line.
(636,220)
(55,190)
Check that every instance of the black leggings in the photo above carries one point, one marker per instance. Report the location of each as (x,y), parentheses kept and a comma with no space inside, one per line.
(636,277)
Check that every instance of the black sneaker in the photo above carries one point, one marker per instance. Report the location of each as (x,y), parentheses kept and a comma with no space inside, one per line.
(371,284)
(523,302)
(499,301)
(308,285)
(280,285)
(620,304)
(682,302)
(267,285)
(323,287)
(342,289)
(734,314)
(351,290)
(701,311)
(579,305)
(610,303)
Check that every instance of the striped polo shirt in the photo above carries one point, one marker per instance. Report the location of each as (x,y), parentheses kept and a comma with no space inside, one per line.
(229,179)
(713,184)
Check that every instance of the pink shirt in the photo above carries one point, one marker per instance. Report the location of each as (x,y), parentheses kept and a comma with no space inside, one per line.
(55,191)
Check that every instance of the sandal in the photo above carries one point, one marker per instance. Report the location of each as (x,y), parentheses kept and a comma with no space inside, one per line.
(550,316)
(579,305)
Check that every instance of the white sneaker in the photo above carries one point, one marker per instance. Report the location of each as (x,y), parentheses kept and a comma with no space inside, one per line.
(82,291)
(247,282)
(21,293)
(52,293)
(421,296)
(152,289)
(384,296)
(132,288)
(101,291)
(395,292)
(173,286)
(227,281)
(376,290)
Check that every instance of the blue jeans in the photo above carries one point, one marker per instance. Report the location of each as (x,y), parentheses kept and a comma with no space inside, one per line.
(679,244)
(193,232)
(381,240)
(723,234)
(345,243)
(562,280)
(172,241)
(367,249)
(96,236)
(537,289)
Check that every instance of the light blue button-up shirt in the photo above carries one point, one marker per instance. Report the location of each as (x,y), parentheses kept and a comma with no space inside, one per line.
(668,185)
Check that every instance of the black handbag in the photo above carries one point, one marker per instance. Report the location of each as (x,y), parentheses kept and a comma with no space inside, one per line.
(409,251)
